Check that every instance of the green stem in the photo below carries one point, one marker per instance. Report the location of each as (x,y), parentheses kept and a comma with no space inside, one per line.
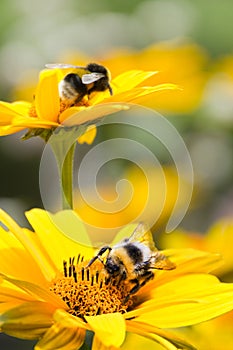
(63,142)
(67,179)
(87,345)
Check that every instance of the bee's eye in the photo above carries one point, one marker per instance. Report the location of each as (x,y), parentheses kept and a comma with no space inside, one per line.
(111,267)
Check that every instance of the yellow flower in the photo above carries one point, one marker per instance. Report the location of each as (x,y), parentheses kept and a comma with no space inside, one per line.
(46,294)
(48,112)
(183,64)
(144,200)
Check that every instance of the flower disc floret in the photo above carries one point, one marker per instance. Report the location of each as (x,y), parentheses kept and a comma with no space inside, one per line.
(90,292)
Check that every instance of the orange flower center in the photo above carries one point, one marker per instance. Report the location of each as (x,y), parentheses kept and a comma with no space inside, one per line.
(63,106)
(90,292)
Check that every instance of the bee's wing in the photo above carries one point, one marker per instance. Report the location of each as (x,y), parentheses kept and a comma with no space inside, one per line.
(91,77)
(158,259)
(161,262)
(61,65)
(143,235)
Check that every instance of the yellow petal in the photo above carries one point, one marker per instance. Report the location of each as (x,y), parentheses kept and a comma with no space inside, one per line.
(175,292)
(148,94)
(69,321)
(137,94)
(32,245)
(9,292)
(76,116)
(188,261)
(138,342)
(28,122)
(15,261)
(9,110)
(218,239)
(59,338)
(21,107)
(65,233)
(98,345)
(185,301)
(27,321)
(89,135)
(38,292)
(128,80)
(47,99)
(8,306)
(123,85)
(9,129)
(108,328)
(167,339)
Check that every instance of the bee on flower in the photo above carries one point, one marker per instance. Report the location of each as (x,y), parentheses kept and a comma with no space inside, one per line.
(65,91)
(55,289)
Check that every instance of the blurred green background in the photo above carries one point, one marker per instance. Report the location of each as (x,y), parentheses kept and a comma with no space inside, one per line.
(33,33)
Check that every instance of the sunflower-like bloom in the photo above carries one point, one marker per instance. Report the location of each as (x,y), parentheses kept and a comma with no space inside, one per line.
(47,294)
(47,111)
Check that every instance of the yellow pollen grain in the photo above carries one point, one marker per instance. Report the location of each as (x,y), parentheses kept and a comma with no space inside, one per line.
(32,111)
(83,103)
(63,106)
(88,292)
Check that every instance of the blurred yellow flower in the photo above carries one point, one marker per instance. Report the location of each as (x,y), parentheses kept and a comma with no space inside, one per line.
(47,295)
(47,112)
(148,199)
(178,63)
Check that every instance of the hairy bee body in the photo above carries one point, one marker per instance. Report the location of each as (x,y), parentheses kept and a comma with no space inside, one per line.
(134,259)
(71,88)
(82,82)
(129,257)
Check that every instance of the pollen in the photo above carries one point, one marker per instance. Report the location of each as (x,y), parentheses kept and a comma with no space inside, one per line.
(90,292)
(63,106)
(32,111)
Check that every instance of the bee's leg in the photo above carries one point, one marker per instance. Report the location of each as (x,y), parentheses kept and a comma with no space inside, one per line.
(136,286)
(133,290)
(122,277)
(145,277)
(148,275)
(78,99)
(98,255)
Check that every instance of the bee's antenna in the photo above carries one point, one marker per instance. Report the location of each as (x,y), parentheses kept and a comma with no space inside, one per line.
(110,89)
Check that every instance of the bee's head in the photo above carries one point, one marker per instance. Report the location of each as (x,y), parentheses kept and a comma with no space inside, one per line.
(103,83)
(112,266)
(97,68)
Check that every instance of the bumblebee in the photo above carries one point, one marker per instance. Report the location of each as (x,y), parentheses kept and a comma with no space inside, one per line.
(134,259)
(83,82)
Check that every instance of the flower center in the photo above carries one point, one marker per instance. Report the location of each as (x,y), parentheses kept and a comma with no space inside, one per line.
(63,106)
(89,292)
